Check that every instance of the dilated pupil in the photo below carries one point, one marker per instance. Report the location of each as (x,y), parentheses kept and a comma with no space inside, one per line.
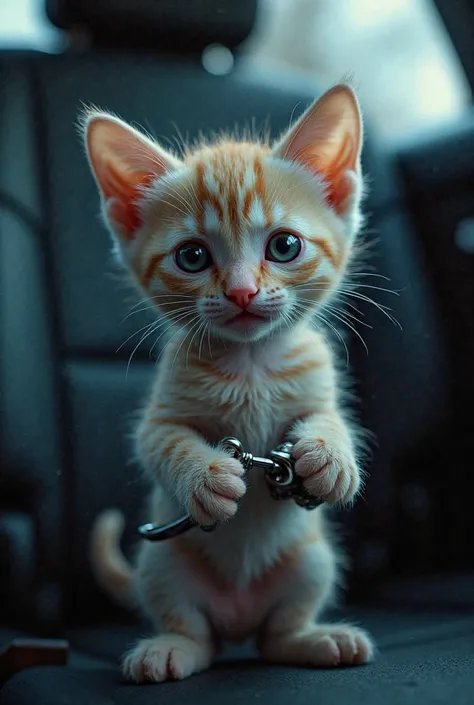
(284,244)
(193,255)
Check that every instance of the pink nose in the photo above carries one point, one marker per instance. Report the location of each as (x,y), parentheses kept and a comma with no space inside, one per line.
(241,297)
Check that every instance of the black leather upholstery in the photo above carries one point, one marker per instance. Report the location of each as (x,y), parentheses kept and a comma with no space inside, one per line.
(438,174)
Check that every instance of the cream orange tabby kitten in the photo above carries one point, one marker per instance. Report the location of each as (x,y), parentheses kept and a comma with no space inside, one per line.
(238,242)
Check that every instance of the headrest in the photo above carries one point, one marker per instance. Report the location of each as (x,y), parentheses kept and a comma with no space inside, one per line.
(184,26)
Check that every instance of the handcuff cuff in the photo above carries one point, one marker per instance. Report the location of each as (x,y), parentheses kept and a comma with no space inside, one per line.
(280,477)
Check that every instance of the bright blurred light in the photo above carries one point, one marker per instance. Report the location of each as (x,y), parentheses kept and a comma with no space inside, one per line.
(217,59)
(398,53)
(24,25)
(435,93)
(367,13)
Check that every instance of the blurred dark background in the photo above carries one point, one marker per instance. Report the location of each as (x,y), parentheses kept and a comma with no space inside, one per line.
(66,404)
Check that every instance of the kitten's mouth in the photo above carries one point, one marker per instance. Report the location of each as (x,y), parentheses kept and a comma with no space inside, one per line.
(245,319)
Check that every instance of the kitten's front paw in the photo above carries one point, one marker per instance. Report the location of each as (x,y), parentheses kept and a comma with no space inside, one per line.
(329,473)
(217,491)
(165,657)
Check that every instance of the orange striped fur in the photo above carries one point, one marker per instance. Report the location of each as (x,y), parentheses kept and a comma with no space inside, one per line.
(238,245)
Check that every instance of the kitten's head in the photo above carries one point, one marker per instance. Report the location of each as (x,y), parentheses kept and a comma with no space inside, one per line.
(246,237)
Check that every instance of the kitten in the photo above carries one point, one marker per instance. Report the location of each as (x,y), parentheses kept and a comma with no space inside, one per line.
(238,244)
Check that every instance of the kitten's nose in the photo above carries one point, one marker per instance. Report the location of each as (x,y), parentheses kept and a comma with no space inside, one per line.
(241,297)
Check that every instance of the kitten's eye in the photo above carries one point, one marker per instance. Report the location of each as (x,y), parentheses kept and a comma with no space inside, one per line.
(283,247)
(193,257)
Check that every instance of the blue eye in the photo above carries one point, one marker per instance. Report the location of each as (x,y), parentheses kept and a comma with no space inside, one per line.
(283,247)
(193,257)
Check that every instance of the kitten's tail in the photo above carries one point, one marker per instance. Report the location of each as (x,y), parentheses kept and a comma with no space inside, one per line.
(110,567)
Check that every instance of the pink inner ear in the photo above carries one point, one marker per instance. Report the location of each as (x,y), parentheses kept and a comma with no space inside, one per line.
(124,161)
(327,140)
(122,194)
(339,186)
(127,218)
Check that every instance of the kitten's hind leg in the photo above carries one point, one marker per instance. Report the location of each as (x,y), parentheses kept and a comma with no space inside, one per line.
(290,634)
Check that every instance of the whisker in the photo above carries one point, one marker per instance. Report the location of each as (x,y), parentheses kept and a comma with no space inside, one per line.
(157,339)
(149,325)
(363,297)
(345,291)
(384,309)
(151,328)
(148,299)
(161,296)
(148,308)
(367,274)
(198,330)
(143,338)
(154,323)
(314,323)
(202,339)
(189,323)
(336,332)
(348,324)
(330,306)
(209,340)
(347,314)
(139,303)
(319,314)
(348,303)
(171,323)
(372,286)
(304,287)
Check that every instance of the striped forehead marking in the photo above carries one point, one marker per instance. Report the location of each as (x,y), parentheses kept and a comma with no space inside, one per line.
(231,192)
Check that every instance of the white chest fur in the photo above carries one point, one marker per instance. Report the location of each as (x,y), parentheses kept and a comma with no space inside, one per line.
(255,392)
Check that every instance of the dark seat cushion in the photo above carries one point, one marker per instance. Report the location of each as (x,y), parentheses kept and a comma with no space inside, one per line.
(425,657)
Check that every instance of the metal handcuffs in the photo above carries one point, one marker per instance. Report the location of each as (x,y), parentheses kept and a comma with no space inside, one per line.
(280,476)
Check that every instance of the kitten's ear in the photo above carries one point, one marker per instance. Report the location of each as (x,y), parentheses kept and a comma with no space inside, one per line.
(123,161)
(327,140)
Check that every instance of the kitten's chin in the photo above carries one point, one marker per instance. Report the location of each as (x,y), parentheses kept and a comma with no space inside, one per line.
(245,329)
